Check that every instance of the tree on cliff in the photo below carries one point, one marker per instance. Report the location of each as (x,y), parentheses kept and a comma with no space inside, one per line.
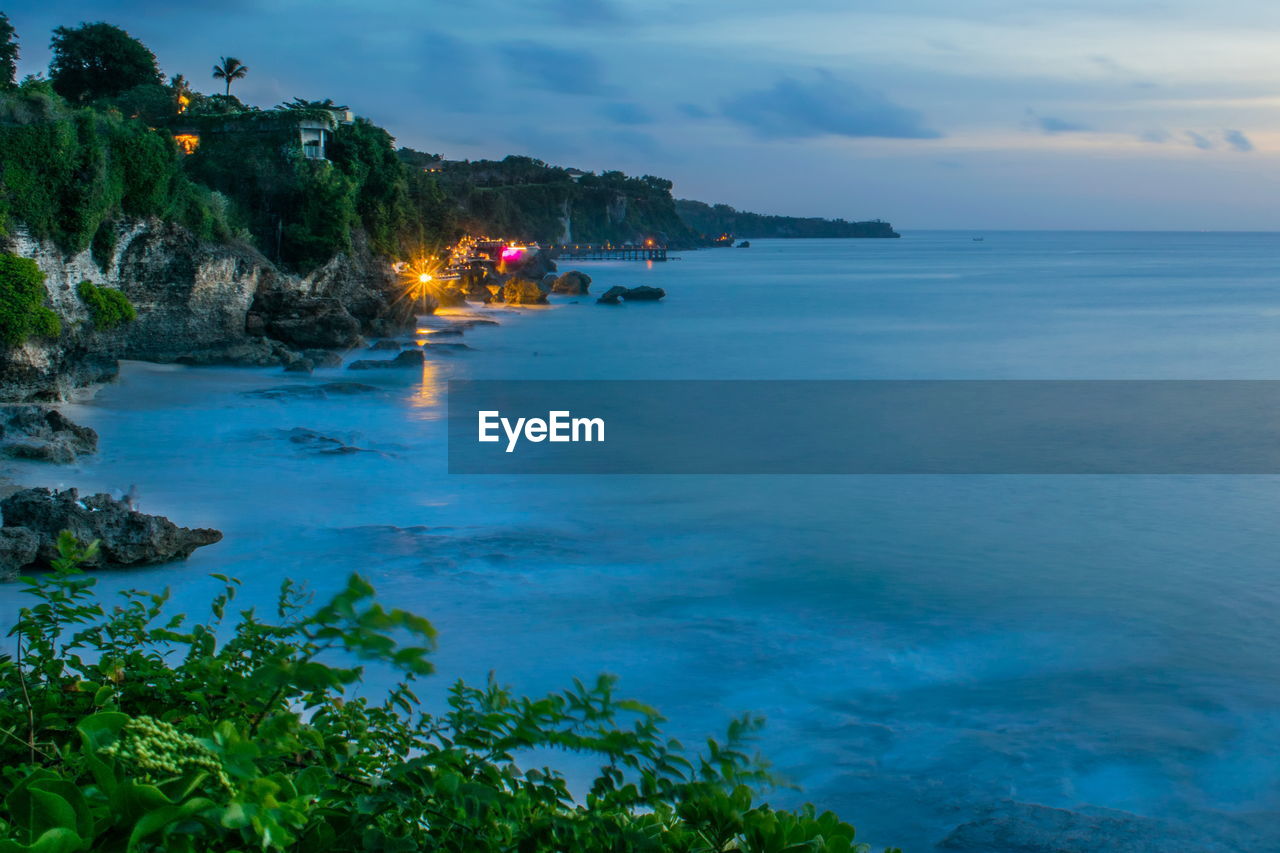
(8,52)
(230,69)
(98,61)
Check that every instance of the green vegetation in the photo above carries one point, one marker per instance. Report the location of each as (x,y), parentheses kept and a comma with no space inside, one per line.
(229,69)
(527,199)
(68,172)
(23,313)
(711,221)
(126,728)
(99,60)
(108,307)
(8,52)
(302,210)
(95,144)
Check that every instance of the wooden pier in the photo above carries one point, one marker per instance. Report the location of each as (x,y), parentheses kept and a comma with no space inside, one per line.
(609,252)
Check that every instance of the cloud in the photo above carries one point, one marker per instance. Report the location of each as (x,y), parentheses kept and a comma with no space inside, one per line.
(1199,140)
(626,112)
(1053,124)
(1237,140)
(694,111)
(1158,136)
(826,106)
(451,70)
(556,69)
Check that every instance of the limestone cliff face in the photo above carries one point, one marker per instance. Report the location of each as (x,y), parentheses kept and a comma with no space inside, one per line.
(197,303)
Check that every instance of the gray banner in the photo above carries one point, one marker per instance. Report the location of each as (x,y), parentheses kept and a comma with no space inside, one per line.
(864,427)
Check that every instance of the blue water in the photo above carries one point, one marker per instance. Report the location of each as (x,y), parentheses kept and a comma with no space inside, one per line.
(925,648)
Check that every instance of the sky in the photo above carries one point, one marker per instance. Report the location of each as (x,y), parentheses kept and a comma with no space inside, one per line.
(984,114)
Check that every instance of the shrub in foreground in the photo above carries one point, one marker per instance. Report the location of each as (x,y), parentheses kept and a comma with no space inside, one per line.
(123,728)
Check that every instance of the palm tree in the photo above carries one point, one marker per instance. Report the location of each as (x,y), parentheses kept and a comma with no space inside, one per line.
(230,69)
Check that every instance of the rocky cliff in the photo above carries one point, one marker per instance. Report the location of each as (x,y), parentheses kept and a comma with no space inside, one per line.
(197,302)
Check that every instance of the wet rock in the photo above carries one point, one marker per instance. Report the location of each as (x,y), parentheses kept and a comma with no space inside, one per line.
(302,365)
(348,389)
(523,291)
(312,322)
(408,358)
(446,345)
(451,296)
(127,537)
(18,548)
(386,345)
(323,357)
(534,265)
(35,432)
(644,293)
(612,296)
(572,283)
(314,392)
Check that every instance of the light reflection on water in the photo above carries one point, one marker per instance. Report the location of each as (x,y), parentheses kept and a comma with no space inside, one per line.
(924,647)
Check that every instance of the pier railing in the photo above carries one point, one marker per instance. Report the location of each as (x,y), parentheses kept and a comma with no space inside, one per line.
(609,252)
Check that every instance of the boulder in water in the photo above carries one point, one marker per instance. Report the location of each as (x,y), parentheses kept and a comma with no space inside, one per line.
(126,537)
(523,291)
(385,345)
(644,293)
(36,432)
(612,296)
(572,283)
(18,548)
(323,357)
(408,358)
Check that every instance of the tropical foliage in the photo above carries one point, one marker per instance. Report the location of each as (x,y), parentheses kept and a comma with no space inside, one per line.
(99,60)
(126,728)
(67,172)
(528,199)
(229,69)
(8,52)
(23,313)
(712,220)
(108,307)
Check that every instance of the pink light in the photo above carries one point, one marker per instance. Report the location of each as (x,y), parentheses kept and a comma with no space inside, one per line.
(511,253)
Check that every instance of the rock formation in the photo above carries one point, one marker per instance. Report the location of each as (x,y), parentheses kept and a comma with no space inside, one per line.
(643,293)
(197,303)
(572,283)
(35,432)
(408,358)
(126,537)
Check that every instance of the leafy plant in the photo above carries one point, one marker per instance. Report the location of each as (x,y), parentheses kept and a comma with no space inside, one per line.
(23,314)
(65,171)
(229,69)
(126,729)
(108,307)
(99,60)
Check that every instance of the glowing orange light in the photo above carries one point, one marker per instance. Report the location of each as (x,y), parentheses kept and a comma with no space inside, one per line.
(424,278)
(187,142)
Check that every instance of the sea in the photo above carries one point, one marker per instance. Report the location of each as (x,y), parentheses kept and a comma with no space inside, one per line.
(933,654)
